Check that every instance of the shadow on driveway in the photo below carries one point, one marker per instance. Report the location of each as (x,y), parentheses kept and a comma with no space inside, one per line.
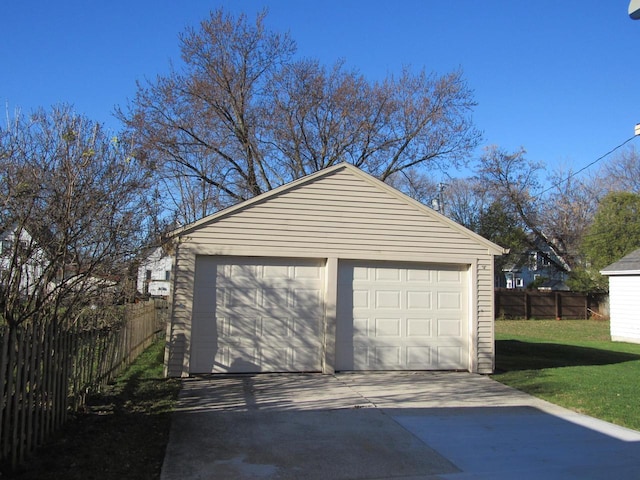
(408,426)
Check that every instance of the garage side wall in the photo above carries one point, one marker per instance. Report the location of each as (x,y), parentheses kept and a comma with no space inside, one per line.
(340,215)
(179,330)
(624,306)
(484,340)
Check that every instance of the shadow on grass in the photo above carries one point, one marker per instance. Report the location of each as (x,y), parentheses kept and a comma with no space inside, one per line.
(121,433)
(514,355)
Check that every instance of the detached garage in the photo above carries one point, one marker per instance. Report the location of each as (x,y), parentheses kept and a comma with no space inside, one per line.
(336,271)
(624,301)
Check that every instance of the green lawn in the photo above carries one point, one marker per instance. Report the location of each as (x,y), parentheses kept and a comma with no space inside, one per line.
(571,363)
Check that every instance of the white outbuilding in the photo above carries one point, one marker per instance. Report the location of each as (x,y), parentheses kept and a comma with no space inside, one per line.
(624,298)
(336,271)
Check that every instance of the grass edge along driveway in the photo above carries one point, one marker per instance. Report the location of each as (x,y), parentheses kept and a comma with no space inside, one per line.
(572,363)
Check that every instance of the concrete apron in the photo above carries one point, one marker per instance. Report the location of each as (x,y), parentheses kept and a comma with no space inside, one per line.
(426,425)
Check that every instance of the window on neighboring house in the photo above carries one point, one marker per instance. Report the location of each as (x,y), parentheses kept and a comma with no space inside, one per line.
(167,275)
(5,248)
(519,283)
(148,274)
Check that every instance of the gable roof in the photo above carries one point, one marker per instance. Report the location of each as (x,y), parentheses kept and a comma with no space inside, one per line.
(210,219)
(627,265)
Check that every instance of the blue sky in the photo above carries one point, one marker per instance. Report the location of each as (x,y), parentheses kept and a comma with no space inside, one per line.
(559,78)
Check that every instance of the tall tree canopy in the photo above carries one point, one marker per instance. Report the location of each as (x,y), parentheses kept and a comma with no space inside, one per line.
(242,115)
(556,217)
(615,231)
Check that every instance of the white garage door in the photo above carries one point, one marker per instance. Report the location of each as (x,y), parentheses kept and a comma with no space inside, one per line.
(402,317)
(257,315)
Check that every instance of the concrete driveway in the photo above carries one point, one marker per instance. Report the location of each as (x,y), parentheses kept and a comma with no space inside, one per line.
(405,426)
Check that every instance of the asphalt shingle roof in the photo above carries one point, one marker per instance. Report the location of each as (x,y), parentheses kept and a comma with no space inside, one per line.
(627,264)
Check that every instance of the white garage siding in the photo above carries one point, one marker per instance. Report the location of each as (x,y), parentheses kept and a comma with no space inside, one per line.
(402,317)
(624,307)
(337,214)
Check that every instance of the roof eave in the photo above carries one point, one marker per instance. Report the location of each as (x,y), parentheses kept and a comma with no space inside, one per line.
(610,273)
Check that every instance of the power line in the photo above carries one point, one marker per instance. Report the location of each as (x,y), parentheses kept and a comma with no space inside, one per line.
(585,167)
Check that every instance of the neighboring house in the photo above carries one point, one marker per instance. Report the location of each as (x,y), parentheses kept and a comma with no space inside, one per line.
(336,271)
(154,273)
(101,288)
(32,258)
(534,265)
(624,298)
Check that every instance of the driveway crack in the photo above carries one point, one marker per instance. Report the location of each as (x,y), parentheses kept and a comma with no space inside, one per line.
(367,403)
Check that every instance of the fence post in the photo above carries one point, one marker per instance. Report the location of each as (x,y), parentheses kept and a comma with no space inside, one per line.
(18,404)
(4,379)
(47,367)
(8,411)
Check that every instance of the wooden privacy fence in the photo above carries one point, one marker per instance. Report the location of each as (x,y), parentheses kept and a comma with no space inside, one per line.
(543,305)
(47,369)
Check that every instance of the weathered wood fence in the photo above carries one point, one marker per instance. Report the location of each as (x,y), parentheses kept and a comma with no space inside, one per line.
(48,369)
(527,304)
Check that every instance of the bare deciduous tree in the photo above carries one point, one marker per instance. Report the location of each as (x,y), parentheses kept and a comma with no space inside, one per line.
(72,209)
(512,181)
(466,200)
(244,116)
(417,184)
(566,211)
(622,173)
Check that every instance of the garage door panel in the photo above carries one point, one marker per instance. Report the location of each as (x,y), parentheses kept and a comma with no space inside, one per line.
(361,298)
(276,358)
(449,276)
(308,272)
(419,275)
(386,357)
(360,327)
(241,298)
(240,327)
(257,315)
(359,273)
(449,357)
(387,327)
(240,358)
(420,300)
(449,301)
(302,356)
(418,357)
(272,329)
(449,328)
(417,319)
(275,271)
(387,274)
(387,299)
(305,298)
(275,299)
(418,327)
(359,357)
